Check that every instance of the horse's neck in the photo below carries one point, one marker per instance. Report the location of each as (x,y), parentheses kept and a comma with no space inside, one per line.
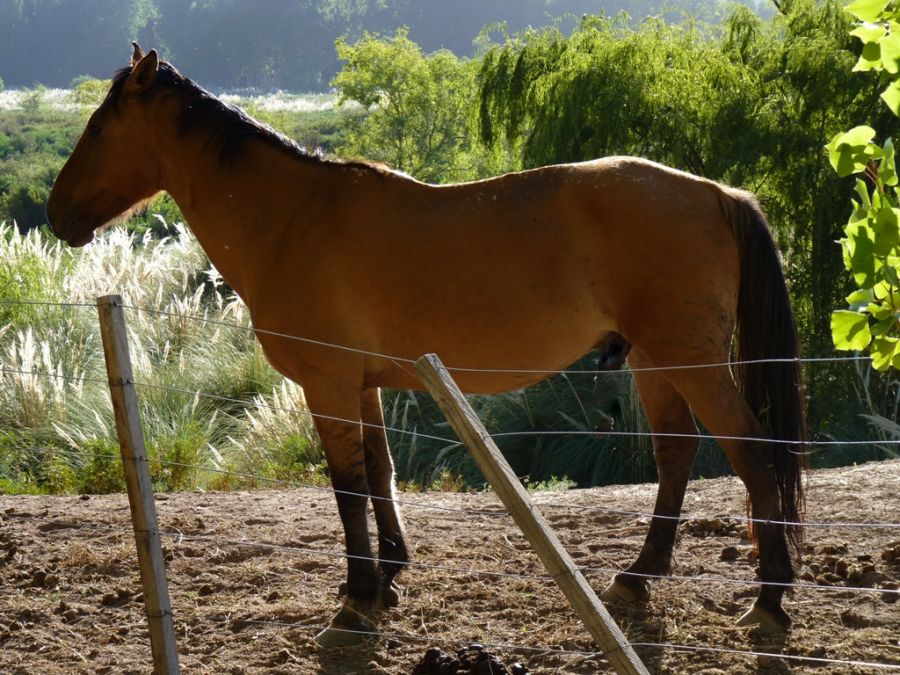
(240,213)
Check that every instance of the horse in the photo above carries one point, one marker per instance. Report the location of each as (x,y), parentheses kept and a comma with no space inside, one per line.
(506,279)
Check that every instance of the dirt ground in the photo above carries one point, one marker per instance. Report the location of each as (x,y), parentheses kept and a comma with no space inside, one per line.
(253,577)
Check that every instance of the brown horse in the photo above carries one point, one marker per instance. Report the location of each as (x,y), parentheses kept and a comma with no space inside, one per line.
(524,272)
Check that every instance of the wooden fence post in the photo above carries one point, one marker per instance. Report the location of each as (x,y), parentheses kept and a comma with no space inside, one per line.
(494,466)
(140,491)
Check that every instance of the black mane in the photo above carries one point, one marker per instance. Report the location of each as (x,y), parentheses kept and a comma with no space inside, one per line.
(226,126)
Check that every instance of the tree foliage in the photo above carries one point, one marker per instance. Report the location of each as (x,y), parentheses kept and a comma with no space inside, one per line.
(747,105)
(418,106)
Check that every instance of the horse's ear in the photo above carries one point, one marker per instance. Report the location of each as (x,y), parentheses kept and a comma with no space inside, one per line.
(137,55)
(143,74)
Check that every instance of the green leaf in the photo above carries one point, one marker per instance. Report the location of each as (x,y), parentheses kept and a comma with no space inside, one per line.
(891,96)
(850,330)
(867,10)
(887,233)
(883,328)
(882,291)
(869,32)
(869,58)
(849,152)
(879,312)
(863,191)
(861,254)
(892,274)
(860,299)
(890,49)
(887,167)
(884,352)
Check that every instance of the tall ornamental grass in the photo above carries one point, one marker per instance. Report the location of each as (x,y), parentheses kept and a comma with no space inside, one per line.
(215,414)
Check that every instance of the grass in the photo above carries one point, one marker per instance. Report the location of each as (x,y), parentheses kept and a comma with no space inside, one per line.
(55,411)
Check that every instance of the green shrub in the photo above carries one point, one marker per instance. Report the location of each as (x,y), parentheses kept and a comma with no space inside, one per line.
(59,477)
(101,471)
(175,461)
(27,205)
(89,92)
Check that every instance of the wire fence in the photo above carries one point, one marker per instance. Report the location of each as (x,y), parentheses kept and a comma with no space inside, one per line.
(465,513)
(498,512)
(179,537)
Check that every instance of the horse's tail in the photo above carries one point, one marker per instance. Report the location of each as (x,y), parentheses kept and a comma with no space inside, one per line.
(765,331)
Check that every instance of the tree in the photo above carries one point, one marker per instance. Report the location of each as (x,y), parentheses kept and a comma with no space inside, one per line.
(747,105)
(419,106)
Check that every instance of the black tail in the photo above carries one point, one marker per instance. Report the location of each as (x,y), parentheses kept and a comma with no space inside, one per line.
(766,330)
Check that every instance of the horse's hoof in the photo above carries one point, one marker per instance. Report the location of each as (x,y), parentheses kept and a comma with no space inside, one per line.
(349,627)
(625,594)
(766,619)
(390,595)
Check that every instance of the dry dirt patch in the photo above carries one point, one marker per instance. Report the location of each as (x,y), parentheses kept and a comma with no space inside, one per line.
(253,576)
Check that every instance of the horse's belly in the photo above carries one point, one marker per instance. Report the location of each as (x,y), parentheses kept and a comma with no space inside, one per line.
(503,354)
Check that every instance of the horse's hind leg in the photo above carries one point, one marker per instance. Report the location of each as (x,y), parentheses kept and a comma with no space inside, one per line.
(667,413)
(380,474)
(715,399)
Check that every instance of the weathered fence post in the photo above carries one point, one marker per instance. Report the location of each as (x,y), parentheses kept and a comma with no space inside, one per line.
(140,491)
(494,466)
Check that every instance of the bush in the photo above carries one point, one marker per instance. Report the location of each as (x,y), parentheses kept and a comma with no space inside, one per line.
(102,471)
(27,206)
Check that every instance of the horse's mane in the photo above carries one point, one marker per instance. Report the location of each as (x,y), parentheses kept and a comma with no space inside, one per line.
(226,125)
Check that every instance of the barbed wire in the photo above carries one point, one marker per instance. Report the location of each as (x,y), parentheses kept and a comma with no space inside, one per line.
(59,376)
(512,434)
(266,479)
(237,622)
(296,411)
(46,303)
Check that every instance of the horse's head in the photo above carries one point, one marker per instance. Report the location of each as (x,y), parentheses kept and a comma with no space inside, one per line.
(114,165)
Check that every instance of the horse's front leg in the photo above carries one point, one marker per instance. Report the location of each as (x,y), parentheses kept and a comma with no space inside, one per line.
(337,419)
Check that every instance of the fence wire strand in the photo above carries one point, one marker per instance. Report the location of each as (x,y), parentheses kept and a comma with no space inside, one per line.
(178,537)
(509,371)
(499,435)
(819,660)
(498,512)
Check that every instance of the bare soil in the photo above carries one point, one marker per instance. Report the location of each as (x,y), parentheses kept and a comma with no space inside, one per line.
(253,577)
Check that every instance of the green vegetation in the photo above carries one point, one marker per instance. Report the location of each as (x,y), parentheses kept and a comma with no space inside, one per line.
(35,140)
(418,105)
(749,102)
(39,129)
(58,433)
(872,243)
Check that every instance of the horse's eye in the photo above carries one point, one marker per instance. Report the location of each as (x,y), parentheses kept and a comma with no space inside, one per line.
(94,129)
